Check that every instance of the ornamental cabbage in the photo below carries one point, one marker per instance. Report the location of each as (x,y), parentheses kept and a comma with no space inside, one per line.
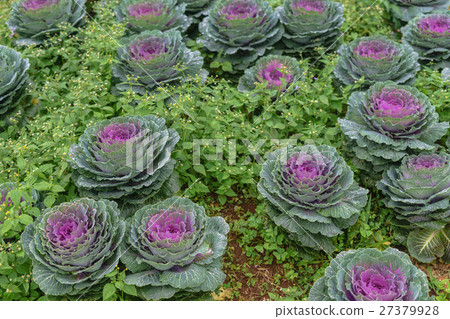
(174,249)
(13,82)
(163,15)
(368,274)
(126,159)
(311,23)
(376,59)
(73,246)
(240,31)
(406,10)
(429,36)
(197,8)
(419,193)
(153,58)
(277,71)
(36,20)
(387,123)
(310,193)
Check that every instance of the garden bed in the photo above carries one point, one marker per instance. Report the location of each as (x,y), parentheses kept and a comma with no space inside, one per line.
(72,88)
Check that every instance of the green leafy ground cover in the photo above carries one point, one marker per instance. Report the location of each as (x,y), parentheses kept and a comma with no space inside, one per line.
(71,80)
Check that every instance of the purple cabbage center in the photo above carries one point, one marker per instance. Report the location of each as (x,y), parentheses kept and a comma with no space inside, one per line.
(172,226)
(146,9)
(38,4)
(435,25)
(273,73)
(396,103)
(305,6)
(147,49)
(426,162)
(238,10)
(376,50)
(68,228)
(118,133)
(305,169)
(377,282)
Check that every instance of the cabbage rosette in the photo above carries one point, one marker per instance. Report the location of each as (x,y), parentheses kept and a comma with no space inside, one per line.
(406,10)
(73,246)
(429,36)
(418,191)
(389,122)
(126,159)
(278,72)
(162,15)
(153,58)
(14,81)
(36,20)
(368,274)
(310,193)
(311,23)
(174,249)
(240,31)
(376,59)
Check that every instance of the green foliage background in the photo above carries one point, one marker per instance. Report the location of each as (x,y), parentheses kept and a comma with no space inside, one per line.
(71,77)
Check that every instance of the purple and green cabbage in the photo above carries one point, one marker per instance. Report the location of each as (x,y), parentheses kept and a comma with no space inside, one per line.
(36,20)
(406,10)
(73,246)
(14,81)
(368,274)
(389,122)
(240,31)
(376,59)
(311,23)
(154,58)
(126,159)
(162,15)
(418,192)
(310,193)
(174,250)
(277,72)
(429,36)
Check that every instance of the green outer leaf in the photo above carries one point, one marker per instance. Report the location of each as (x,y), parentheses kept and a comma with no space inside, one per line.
(46,279)
(191,276)
(427,244)
(156,292)
(214,277)
(144,278)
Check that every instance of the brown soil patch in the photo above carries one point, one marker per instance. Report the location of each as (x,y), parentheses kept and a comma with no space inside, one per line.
(262,274)
(439,270)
